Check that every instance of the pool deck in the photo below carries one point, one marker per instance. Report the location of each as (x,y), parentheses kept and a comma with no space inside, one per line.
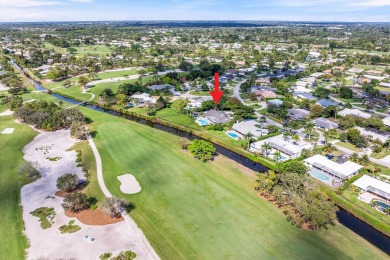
(327,182)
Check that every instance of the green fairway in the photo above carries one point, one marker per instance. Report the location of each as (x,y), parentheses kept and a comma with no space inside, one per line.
(194,210)
(12,240)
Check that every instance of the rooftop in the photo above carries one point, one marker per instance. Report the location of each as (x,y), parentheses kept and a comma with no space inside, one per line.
(343,170)
(368,183)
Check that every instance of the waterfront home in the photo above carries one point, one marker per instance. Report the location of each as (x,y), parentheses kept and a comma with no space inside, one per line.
(217,117)
(374,186)
(249,126)
(321,166)
(143,99)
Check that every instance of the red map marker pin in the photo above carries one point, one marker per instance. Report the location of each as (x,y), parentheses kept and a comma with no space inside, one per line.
(216,93)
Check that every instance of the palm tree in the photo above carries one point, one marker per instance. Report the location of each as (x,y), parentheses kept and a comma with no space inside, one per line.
(309,128)
(354,157)
(248,136)
(329,148)
(364,160)
(266,147)
(277,156)
(327,136)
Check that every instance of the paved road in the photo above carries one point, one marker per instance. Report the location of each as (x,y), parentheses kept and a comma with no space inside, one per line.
(236,91)
(137,233)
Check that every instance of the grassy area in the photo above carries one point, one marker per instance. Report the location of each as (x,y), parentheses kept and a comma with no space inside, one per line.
(45,215)
(173,116)
(88,162)
(69,228)
(380,155)
(200,93)
(100,75)
(194,204)
(12,240)
(349,100)
(349,146)
(351,195)
(384,89)
(90,49)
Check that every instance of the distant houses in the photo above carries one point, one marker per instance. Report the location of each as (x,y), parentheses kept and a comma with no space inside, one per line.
(163,87)
(143,99)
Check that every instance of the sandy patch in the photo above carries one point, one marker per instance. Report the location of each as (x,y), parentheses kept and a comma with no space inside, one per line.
(49,243)
(6,113)
(129,184)
(93,217)
(8,131)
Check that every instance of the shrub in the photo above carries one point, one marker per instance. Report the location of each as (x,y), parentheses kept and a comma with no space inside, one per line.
(105,256)
(202,150)
(45,215)
(112,206)
(75,202)
(68,182)
(29,169)
(125,255)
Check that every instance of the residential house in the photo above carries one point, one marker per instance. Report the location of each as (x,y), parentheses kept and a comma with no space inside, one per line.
(325,123)
(275,102)
(250,126)
(143,99)
(385,84)
(304,95)
(265,94)
(327,103)
(163,87)
(217,117)
(374,186)
(298,114)
(354,112)
(340,171)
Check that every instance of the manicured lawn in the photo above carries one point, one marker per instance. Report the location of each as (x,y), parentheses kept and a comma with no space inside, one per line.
(383,89)
(349,146)
(200,93)
(352,195)
(350,100)
(101,75)
(172,115)
(380,155)
(88,161)
(12,240)
(194,210)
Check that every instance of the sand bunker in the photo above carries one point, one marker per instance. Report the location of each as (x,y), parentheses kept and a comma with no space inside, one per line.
(129,184)
(6,113)
(8,131)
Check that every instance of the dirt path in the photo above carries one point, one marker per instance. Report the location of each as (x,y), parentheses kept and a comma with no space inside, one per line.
(136,233)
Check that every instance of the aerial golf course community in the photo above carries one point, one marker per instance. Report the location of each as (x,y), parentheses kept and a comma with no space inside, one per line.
(217,140)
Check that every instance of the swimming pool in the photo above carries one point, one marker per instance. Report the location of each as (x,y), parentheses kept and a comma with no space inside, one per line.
(382,205)
(233,135)
(202,122)
(319,176)
(280,159)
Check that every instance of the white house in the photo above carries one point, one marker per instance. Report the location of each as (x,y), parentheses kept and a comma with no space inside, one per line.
(341,171)
(143,99)
(354,112)
(249,126)
(374,186)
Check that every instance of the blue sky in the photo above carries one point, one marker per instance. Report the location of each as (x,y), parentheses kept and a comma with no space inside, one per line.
(287,10)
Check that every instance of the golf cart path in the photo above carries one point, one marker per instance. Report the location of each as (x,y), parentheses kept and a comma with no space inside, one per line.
(134,230)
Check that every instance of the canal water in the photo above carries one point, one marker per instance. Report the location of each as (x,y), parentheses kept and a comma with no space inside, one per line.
(348,220)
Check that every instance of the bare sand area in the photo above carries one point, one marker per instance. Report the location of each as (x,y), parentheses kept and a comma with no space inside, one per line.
(129,184)
(50,243)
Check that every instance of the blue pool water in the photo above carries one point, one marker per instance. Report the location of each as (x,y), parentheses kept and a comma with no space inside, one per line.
(203,122)
(382,205)
(319,176)
(232,135)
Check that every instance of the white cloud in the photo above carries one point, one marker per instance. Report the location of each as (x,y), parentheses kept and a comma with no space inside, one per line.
(370,3)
